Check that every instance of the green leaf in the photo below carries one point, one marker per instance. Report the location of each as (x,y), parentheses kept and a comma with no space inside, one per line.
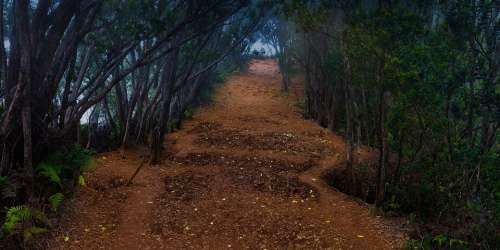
(15,215)
(457,242)
(50,171)
(440,239)
(89,164)
(55,200)
(81,180)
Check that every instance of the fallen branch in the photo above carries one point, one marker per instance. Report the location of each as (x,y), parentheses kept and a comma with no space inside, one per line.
(136,171)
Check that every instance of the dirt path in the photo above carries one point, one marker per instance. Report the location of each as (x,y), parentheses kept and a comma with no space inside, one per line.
(244,173)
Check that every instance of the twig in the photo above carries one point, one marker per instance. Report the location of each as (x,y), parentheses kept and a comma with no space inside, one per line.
(136,171)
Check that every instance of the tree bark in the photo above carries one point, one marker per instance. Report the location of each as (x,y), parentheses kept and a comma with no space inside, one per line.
(383,150)
(348,99)
(167,85)
(22,17)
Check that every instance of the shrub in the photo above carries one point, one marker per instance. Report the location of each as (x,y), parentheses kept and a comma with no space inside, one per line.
(25,221)
(57,175)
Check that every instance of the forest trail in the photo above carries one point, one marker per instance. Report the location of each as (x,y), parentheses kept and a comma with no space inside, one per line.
(244,173)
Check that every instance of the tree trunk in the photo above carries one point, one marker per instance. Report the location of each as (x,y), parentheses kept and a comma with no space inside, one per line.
(167,85)
(348,99)
(24,79)
(383,151)
(3,54)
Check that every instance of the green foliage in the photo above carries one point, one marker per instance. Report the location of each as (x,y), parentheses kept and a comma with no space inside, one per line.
(221,76)
(392,204)
(81,181)
(3,181)
(299,104)
(440,241)
(31,231)
(63,166)
(440,102)
(189,112)
(206,93)
(55,201)
(74,158)
(14,216)
(6,189)
(18,215)
(413,245)
(308,15)
(173,125)
(51,172)
(61,170)
(423,70)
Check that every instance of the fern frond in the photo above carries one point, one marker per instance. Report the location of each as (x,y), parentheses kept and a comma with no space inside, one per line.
(28,233)
(50,171)
(15,215)
(55,201)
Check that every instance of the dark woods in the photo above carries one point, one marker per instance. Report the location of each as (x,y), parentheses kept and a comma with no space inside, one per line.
(417,81)
(101,74)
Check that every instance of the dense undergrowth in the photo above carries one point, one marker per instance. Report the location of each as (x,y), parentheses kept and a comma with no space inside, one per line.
(418,82)
(57,177)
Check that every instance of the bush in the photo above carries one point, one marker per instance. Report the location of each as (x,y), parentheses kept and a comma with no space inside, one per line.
(447,207)
(58,174)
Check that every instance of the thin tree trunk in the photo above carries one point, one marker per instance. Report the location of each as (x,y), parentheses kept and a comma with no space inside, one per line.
(348,99)
(78,133)
(167,85)
(3,54)
(28,147)
(382,169)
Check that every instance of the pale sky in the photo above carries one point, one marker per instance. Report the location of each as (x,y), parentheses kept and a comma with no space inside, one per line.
(258,45)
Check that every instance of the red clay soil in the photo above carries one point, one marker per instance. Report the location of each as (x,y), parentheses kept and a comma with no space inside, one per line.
(244,173)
